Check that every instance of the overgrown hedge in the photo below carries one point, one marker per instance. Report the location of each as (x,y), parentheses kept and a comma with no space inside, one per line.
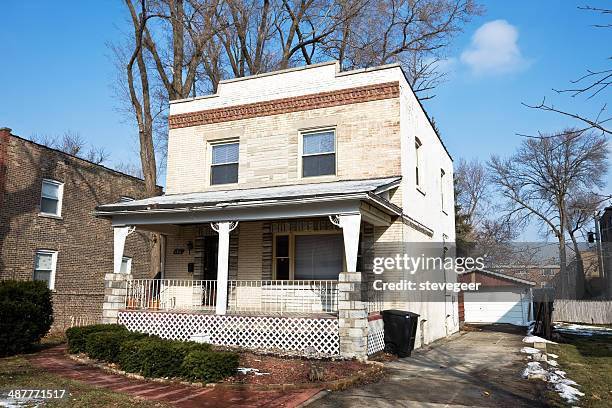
(26,315)
(209,366)
(156,357)
(152,356)
(77,336)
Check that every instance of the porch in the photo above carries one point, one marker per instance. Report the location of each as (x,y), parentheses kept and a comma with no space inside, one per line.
(282,273)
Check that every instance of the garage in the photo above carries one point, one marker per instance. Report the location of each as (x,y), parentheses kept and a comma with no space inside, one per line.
(500,299)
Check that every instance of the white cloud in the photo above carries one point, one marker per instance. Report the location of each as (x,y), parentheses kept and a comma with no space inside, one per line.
(494,49)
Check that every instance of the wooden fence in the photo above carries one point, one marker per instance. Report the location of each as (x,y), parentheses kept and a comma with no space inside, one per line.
(583,311)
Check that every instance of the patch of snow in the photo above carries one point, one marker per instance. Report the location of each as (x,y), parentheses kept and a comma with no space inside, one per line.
(568,393)
(551,355)
(529,350)
(582,330)
(530,327)
(247,370)
(536,339)
(534,369)
(565,387)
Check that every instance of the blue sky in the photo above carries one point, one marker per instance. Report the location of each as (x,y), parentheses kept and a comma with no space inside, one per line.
(56,73)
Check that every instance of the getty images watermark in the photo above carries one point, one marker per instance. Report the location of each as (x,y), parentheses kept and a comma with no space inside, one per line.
(428,273)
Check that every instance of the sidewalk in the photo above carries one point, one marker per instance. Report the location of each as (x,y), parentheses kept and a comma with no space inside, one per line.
(54,361)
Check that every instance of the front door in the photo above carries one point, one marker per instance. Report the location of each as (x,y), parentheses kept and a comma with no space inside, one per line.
(210,251)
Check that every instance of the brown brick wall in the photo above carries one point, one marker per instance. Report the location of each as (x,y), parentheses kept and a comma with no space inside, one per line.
(84,243)
(286,105)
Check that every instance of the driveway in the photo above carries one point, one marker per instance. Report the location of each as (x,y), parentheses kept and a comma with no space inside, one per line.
(475,369)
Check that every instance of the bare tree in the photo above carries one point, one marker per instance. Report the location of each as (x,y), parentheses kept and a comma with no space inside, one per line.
(590,84)
(541,179)
(472,184)
(72,143)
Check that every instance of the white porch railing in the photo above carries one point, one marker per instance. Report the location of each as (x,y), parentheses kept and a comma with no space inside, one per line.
(244,296)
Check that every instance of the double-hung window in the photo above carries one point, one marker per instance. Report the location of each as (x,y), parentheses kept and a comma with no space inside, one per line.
(44,267)
(224,165)
(51,198)
(319,153)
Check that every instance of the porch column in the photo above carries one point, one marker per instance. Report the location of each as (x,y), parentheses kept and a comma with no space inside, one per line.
(121,234)
(224,229)
(350,224)
(115,283)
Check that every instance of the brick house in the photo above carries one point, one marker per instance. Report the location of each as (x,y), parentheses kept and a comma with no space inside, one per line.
(281,190)
(48,232)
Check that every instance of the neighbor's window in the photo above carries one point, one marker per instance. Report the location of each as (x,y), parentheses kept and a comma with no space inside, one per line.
(44,267)
(318,153)
(417,160)
(442,185)
(224,167)
(126,265)
(51,197)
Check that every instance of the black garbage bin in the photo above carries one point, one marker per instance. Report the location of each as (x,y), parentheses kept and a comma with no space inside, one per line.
(400,331)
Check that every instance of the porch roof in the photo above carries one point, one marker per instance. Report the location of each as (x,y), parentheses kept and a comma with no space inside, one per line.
(249,196)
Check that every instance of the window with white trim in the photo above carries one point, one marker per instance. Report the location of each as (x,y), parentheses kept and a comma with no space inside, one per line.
(51,197)
(45,263)
(319,153)
(126,265)
(417,160)
(224,164)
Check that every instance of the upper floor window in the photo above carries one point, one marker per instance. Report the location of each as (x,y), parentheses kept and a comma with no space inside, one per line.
(44,267)
(51,197)
(224,165)
(319,153)
(417,160)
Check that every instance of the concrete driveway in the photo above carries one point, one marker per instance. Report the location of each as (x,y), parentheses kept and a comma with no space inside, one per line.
(475,369)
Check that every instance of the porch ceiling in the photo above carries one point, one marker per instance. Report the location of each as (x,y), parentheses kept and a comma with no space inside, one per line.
(282,202)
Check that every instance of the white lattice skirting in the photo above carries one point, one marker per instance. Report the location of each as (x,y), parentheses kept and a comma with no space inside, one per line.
(299,335)
(376,336)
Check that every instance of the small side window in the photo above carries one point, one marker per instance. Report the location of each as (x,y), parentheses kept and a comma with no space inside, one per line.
(417,160)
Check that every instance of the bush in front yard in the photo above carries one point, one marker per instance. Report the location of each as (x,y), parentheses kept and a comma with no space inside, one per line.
(105,345)
(156,357)
(77,336)
(26,314)
(207,366)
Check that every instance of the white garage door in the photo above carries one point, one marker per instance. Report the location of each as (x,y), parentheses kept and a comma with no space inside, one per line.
(496,306)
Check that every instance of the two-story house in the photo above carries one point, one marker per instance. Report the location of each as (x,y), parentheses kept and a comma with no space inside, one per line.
(48,232)
(281,189)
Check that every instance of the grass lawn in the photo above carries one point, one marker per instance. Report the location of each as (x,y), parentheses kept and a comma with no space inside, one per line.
(588,361)
(17,373)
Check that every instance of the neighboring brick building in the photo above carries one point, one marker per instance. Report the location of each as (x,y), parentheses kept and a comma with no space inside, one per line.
(47,228)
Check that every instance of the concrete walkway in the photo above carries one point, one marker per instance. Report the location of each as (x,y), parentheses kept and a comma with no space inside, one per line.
(473,369)
(54,361)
